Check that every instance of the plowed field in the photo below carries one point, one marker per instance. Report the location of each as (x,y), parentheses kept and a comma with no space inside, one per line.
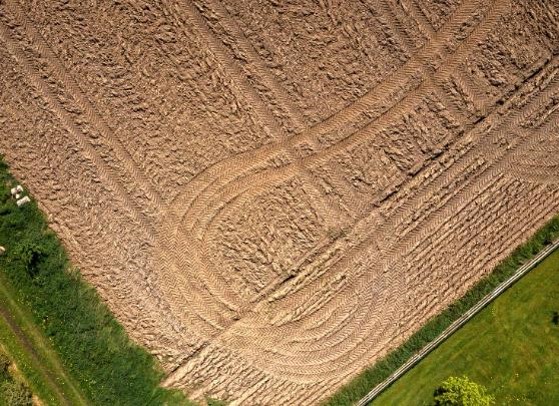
(272,195)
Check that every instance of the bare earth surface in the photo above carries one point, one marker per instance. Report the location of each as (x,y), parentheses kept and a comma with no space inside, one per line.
(271,195)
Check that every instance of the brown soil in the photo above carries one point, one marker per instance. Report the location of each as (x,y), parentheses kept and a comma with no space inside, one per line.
(272,195)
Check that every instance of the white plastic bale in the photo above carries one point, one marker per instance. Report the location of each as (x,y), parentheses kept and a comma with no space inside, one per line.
(22,201)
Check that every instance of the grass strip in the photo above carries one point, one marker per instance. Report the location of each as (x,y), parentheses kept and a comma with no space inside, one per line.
(29,369)
(93,347)
(28,347)
(14,389)
(372,376)
(510,347)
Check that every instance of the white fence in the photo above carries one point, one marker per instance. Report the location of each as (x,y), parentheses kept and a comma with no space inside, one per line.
(458,323)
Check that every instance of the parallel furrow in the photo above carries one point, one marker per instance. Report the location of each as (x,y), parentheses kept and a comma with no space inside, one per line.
(100,122)
(243,163)
(88,151)
(374,127)
(419,15)
(254,63)
(397,25)
(437,183)
(326,209)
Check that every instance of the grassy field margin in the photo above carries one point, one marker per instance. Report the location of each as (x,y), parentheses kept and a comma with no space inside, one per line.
(33,355)
(510,347)
(108,368)
(372,376)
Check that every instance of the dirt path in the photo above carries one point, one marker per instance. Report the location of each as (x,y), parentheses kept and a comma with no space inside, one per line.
(44,360)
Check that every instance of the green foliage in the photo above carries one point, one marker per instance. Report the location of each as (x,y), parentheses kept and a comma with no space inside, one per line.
(215,402)
(12,392)
(29,254)
(15,393)
(4,365)
(372,376)
(461,391)
(510,346)
(94,348)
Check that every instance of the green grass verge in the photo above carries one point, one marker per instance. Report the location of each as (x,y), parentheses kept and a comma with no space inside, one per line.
(33,355)
(32,377)
(28,368)
(369,378)
(14,390)
(93,347)
(510,347)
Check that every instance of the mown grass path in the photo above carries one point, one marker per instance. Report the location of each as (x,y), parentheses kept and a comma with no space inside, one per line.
(510,347)
(457,324)
(33,355)
(359,388)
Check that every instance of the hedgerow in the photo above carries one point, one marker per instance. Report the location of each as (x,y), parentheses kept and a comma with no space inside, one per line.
(93,346)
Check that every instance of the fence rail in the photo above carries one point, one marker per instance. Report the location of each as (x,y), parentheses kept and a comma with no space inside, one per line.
(410,363)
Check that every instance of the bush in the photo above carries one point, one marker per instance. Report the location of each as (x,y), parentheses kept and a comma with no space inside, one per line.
(5,363)
(462,392)
(29,254)
(14,393)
